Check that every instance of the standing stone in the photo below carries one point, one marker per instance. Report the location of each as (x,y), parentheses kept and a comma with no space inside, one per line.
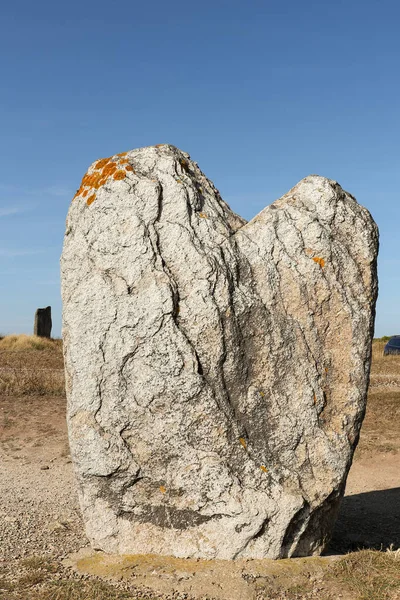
(43,323)
(217,370)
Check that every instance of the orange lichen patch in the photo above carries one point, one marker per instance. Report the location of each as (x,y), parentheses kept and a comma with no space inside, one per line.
(178,181)
(98,175)
(264,469)
(102,163)
(91,180)
(98,183)
(109,169)
(203,215)
(319,261)
(243,442)
(315,399)
(163,489)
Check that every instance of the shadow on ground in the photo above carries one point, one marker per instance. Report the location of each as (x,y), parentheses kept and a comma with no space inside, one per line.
(370,520)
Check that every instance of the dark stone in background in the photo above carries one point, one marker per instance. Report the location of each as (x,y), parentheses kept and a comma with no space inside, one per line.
(42,326)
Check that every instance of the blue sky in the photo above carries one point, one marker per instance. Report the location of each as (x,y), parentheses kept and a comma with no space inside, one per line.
(260,93)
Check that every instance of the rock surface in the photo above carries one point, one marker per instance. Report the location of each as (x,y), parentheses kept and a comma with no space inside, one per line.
(216,370)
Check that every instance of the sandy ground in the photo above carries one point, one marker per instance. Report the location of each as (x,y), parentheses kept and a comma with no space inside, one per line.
(38,503)
(39,507)
(40,515)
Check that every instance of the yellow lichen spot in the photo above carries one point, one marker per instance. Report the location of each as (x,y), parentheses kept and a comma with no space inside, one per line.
(91,199)
(262,394)
(178,181)
(264,469)
(119,175)
(102,163)
(203,215)
(243,442)
(129,168)
(319,261)
(163,489)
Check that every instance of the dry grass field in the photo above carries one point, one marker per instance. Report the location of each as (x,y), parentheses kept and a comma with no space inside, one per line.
(30,365)
(40,523)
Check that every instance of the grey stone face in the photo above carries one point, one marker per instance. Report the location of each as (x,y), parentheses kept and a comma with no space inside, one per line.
(217,370)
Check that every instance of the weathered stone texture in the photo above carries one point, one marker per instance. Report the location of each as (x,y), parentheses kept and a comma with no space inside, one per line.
(43,324)
(217,370)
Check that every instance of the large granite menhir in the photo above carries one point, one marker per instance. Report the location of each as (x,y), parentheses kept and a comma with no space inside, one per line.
(217,370)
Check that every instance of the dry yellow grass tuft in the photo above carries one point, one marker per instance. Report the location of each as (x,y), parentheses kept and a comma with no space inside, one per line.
(31,365)
(370,575)
(22,342)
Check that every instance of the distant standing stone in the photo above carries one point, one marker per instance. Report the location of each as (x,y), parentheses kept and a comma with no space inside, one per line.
(216,370)
(43,323)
